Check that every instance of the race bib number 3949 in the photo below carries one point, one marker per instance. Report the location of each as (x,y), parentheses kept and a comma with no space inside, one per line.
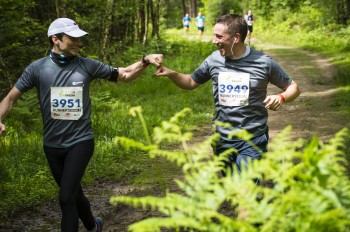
(66,103)
(233,88)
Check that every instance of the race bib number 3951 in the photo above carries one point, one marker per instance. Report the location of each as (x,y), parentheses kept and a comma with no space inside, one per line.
(233,88)
(66,103)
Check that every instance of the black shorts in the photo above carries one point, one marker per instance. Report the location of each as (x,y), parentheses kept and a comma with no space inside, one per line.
(200,28)
(250,29)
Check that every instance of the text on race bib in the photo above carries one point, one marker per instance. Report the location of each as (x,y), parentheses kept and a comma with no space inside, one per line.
(66,103)
(233,88)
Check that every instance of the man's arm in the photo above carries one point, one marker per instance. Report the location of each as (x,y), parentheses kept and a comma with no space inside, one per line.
(7,104)
(136,69)
(183,81)
(274,102)
(291,92)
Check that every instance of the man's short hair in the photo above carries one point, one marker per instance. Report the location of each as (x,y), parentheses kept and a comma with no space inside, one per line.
(235,24)
(59,36)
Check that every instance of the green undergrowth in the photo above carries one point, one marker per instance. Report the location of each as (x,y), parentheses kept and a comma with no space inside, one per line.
(304,186)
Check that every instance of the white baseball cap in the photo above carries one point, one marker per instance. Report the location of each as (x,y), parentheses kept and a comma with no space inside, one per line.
(66,26)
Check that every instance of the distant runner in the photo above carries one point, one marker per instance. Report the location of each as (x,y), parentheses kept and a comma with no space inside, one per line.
(200,21)
(250,21)
(186,22)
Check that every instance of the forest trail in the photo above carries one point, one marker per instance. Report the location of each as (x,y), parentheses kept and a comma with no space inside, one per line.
(313,112)
(310,114)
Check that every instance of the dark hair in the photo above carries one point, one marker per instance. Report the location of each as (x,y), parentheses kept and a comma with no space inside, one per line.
(235,24)
(59,36)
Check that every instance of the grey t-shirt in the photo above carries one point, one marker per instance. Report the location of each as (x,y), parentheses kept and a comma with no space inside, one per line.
(45,74)
(240,87)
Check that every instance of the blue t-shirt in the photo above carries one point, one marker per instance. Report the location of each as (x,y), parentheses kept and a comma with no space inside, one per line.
(240,87)
(186,21)
(45,75)
(200,21)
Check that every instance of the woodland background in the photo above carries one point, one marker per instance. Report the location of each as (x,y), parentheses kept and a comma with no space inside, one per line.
(120,32)
(116,25)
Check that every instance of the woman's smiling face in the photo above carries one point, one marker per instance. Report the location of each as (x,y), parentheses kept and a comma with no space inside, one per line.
(68,46)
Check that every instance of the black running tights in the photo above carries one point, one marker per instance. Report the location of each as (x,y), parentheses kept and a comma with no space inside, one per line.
(68,166)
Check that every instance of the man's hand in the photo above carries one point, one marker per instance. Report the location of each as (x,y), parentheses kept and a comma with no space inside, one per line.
(163,71)
(156,59)
(273,102)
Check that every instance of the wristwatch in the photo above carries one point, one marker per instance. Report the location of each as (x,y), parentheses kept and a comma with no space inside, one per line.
(145,62)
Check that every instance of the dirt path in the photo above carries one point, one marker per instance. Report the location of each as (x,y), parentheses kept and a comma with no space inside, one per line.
(312,113)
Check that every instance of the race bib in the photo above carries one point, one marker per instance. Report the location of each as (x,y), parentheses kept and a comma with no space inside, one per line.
(66,103)
(233,88)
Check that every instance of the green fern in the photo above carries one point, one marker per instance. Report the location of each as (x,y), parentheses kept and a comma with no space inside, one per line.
(303,185)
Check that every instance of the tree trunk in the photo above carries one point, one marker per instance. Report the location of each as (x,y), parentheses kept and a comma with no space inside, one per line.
(61,8)
(142,20)
(6,74)
(144,41)
(154,11)
(193,8)
(340,11)
(347,11)
(106,30)
(184,10)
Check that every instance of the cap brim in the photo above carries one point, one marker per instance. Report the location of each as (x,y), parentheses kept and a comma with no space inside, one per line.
(76,33)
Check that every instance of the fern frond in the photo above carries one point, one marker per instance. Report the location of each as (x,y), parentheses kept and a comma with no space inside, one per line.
(181,114)
(173,156)
(160,136)
(130,143)
(308,190)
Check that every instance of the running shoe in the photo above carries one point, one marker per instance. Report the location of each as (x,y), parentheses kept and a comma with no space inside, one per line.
(99,224)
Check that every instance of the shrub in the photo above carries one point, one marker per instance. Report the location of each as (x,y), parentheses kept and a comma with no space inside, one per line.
(303,185)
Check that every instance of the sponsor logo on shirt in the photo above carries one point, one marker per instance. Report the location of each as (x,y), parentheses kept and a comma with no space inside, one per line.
(77,82)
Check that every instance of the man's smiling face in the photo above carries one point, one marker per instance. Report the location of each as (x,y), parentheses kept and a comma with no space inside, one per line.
(223,40)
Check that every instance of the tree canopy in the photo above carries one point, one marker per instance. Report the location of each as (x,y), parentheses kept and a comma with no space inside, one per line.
(114,25)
